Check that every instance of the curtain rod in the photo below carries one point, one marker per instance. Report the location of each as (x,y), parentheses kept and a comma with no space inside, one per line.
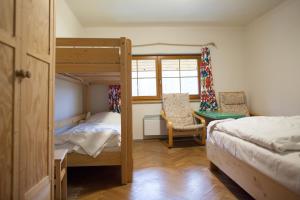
(174,44)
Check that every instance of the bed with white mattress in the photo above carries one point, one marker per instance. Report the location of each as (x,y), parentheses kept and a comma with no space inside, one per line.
(93,142)
(261,154)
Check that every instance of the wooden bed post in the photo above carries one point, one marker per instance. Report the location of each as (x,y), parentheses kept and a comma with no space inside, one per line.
(129,113)
(123,76)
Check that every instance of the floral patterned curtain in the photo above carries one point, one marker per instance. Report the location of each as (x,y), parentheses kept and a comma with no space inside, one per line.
(114,98)
(208,97)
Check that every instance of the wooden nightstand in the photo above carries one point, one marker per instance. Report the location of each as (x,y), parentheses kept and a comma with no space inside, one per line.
(60,174)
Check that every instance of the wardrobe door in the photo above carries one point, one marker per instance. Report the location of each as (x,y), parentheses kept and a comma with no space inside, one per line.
(36,127)
(9,59)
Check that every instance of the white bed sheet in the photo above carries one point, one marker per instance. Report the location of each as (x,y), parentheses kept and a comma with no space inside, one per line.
(283,168)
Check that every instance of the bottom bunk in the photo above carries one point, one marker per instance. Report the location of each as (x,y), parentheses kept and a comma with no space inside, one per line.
(95,141)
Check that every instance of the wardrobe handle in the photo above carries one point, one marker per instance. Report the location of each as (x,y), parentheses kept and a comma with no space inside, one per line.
(23,74)
(27,74)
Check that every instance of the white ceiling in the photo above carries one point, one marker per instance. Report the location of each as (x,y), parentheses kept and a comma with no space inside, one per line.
(168,12)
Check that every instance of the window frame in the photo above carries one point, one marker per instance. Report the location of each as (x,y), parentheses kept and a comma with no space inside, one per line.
(158,59)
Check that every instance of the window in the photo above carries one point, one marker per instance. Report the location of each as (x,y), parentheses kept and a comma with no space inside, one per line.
(153,76)
(144,77)
(180,76)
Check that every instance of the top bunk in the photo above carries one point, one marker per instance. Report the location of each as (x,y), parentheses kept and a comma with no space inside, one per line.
(93,60)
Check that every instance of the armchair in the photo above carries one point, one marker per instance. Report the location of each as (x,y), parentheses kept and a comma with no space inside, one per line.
(233,102)
(180,117)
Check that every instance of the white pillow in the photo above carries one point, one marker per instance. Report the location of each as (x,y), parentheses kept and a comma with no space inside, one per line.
(106,117)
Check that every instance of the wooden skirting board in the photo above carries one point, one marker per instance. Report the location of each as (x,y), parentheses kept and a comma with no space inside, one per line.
(250,179)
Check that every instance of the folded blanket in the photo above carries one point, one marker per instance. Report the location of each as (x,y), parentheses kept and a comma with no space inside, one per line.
(279,134)
(88,137)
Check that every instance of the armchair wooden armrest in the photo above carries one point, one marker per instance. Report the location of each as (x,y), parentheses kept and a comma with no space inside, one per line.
(169,123)
(170,128)
(202,120)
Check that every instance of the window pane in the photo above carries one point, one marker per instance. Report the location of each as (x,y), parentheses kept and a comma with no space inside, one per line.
(189,85)
(170,73)
(134,69)
(170,65)
(189,73)
(170,85)
(146,68)
(144,77)
(170,68)
(188,64)
(146,65)
(147,74)
(188,67)
(134,87)
(147,87)
(134,75)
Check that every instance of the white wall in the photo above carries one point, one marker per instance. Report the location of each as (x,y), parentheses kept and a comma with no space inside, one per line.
(68,99)
(273,61)
(67,24)
(68,95)
(227,58)
(98,98)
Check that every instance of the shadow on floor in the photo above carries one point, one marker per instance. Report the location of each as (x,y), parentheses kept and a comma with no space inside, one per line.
(233,187)
(85,180)
(183,142)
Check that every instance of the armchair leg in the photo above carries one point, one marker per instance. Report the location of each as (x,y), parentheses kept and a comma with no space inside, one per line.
(170,134)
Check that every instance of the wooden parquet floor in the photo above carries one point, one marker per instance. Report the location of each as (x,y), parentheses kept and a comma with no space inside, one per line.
(159,174)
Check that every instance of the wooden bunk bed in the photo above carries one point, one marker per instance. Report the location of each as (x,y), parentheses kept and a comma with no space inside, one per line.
(100,61)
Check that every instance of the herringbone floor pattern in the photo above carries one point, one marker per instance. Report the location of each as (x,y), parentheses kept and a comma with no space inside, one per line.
(159,174)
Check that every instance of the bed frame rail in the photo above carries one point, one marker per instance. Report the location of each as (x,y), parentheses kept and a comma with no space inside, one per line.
(250,179)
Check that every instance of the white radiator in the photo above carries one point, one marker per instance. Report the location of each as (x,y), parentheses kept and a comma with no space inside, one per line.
(154,125)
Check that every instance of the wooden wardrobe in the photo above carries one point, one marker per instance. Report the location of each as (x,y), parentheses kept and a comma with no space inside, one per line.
(27,46)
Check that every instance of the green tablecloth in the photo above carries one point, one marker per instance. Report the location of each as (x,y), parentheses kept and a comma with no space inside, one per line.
(218,115)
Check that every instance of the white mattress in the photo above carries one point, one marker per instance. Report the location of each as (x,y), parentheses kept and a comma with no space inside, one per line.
(283,168)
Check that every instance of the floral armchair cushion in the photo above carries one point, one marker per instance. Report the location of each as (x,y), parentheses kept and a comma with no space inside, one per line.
(178,110)
(233,102)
